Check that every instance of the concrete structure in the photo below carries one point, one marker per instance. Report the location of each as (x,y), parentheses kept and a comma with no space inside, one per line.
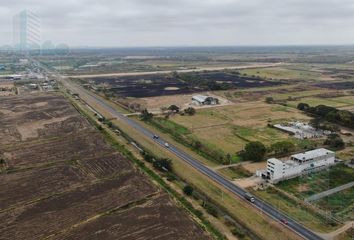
(204,100)
(26,31)
(299,164)
(302,130)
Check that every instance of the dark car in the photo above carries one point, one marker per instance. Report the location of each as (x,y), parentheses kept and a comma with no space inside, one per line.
(284,221)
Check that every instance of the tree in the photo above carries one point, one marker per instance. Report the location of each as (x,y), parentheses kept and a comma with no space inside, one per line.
(254,151)
(109,124)
(282,147)
(303,106)
(146,115)
(163,164)
(188,190)
(334,141)
(190,111)
(173,108)
(269,99)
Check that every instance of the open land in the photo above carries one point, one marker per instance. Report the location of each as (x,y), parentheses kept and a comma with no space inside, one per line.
(59,178)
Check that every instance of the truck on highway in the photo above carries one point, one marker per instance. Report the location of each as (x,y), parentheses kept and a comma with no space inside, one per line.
(249,197)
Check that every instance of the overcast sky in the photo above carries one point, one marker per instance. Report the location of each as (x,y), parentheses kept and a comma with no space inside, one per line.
(186,22)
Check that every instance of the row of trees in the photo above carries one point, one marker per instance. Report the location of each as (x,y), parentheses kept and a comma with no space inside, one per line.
(330,114)
(147,116)
(256,151)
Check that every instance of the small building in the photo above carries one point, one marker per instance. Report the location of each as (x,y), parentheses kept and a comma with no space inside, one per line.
(302,130)
(204,100)
(299,164)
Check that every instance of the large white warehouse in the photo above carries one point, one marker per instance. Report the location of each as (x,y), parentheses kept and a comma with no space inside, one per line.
(298,164)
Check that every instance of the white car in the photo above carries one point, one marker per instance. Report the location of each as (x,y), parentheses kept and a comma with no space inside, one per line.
(167,145)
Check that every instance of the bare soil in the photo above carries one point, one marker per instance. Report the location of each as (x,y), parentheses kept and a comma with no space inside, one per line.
(61,180)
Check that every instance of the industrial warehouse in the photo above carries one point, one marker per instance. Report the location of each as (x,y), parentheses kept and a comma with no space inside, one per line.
(299,164)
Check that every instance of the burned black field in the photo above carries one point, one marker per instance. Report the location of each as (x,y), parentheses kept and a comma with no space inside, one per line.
(178,83)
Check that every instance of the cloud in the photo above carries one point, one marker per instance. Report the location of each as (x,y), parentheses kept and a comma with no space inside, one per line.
(183,22)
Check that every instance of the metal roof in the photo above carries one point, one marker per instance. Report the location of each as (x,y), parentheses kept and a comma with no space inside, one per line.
(200,98)
(312,154)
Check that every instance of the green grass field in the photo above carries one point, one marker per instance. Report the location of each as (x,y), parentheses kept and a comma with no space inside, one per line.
(337,102)
(230,128)
(306,186)
(284,72)
(340,204)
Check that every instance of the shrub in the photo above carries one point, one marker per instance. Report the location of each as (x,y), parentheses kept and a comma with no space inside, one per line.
(188,190)
(254,151)
(269,99)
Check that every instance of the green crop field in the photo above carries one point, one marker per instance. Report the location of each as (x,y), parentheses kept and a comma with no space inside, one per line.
(306,186)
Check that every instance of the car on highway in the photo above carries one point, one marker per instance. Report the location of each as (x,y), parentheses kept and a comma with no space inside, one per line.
(250,197)
(167,145)
(284,221)
(155,137)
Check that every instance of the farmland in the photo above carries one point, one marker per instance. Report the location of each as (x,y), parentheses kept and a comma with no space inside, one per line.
(59,177)
(229,128)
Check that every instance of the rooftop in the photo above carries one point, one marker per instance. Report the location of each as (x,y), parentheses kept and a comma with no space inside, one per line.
(200,98)
(312,154)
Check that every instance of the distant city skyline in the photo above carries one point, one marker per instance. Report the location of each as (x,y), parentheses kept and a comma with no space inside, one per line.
(26,31)
(119,23)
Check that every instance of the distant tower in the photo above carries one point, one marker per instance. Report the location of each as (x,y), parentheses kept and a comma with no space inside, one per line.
(27,31)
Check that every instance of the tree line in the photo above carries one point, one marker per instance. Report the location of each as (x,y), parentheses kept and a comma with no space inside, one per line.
(330,114)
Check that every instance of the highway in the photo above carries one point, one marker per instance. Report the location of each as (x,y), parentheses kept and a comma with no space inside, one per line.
(262,206)
(238,191)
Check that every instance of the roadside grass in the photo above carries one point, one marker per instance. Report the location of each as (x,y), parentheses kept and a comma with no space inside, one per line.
(341,204)
(235,172)
(238,209)
(306,216)
(347,235)
(306,186)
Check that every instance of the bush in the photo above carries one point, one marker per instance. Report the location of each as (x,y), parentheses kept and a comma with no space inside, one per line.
(254,151)
(303,106)
(147,157)
(188,190)
(334,141)
(146,115)
(163,164)
(238,233)
(211,210)
(282,147)
(190,111)
(269,99)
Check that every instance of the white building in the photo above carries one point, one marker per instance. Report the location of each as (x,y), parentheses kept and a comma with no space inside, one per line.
(302,130)
(298,164)
(26,31)
(204,100)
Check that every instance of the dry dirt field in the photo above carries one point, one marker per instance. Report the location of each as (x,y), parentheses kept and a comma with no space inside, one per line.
(60,180)
(6,88)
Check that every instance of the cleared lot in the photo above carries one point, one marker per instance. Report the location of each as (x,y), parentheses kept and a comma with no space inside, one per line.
(62,176)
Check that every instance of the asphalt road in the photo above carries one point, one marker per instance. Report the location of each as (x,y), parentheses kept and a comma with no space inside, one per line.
(238,191)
